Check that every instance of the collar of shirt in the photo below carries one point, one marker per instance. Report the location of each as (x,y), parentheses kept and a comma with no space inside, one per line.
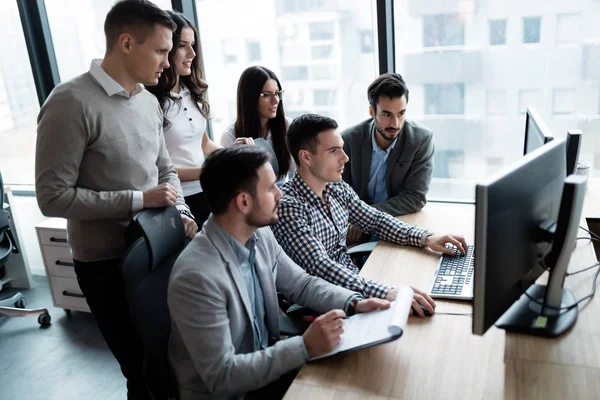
(110,86)
(242,253)
(307,193)
(182,92)
(376,147)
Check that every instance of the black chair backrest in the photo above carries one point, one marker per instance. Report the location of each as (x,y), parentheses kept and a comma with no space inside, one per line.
(6,245)
(163,230)
(146,268)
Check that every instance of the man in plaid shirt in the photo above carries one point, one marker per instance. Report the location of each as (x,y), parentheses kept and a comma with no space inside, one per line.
(317,207)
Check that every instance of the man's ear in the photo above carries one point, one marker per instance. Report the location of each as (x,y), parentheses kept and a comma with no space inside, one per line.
(371,111)
(304,157)
(243,201)
(125,42)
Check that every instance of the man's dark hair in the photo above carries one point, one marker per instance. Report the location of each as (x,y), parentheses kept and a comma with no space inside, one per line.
(137,17)
(230,171)
(390,85)
(303,131)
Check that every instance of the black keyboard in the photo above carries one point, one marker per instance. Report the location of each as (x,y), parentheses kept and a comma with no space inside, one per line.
(454,276)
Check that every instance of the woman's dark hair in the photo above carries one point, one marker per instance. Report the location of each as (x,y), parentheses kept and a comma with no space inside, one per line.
(247,123)
(193,82)
(229,171)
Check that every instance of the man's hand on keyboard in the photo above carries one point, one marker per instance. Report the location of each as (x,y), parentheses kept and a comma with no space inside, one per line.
(438,243)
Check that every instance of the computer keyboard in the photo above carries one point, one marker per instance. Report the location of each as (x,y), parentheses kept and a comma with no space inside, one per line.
(454,276)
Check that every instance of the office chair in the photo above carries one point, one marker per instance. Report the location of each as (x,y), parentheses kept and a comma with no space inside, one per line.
(13,306)
(146,267)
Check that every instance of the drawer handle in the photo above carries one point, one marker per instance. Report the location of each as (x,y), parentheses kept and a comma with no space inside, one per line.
(64,264)
(69,294)
(58,240)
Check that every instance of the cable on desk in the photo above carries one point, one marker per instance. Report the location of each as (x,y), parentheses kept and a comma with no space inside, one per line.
(570,307)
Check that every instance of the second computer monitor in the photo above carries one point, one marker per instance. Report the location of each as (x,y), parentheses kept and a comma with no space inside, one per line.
(537,133)
(574,137)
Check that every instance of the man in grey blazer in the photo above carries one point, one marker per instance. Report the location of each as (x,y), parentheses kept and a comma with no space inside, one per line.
(223,290)
(391,160)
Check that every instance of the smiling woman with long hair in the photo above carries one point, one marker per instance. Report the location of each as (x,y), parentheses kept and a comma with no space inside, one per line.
(260,114)
(181,92)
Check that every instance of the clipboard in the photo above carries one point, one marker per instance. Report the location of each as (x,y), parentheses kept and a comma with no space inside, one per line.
(272,157)
(376,327)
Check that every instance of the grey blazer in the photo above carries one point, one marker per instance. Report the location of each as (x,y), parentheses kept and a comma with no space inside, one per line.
(409,166)
(212,345)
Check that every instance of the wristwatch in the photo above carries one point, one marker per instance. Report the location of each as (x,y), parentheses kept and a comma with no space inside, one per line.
(352,307)
(186,212)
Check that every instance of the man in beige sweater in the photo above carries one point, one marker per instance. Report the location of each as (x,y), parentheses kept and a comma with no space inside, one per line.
(101,157)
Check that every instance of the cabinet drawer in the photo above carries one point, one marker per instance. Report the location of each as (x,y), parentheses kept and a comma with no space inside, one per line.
(67,294)
(59,261)
(53,237)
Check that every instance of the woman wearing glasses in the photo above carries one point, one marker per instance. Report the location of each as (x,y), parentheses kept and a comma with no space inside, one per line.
(181,92)
(260,115)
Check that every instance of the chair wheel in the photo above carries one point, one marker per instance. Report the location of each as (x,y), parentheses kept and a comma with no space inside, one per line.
(44,319)
(20,303)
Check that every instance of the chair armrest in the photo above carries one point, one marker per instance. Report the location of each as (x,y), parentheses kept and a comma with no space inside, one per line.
(363,248)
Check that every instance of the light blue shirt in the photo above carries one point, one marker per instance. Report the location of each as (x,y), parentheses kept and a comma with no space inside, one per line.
(246,258)
(377,188)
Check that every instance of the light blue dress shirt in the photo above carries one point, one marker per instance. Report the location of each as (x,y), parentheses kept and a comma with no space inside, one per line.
(377,188)
(246,257)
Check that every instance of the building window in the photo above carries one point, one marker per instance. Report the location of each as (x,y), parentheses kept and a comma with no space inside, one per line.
(568,28)
(253,50)
(443,30)
(297,6)
(367,44)
(530,98)
(295,73)
(445,99)
(321,31)
(325,71)
(325,97)
(531,29)
(229,51)
(497,32)
(321,52)
(495,102)
(563,101)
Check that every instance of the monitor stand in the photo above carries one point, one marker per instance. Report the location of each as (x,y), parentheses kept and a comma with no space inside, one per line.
(526,316)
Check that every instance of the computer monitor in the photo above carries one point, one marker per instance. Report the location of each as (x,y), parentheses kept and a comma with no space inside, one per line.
(526,220)
(537,133)
(574,137)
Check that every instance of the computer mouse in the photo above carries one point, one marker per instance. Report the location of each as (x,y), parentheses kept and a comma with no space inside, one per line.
(425,311)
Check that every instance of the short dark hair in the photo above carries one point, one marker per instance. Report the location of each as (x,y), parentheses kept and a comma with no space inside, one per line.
(303,131)
(139,16)
(230,171)
(390,85)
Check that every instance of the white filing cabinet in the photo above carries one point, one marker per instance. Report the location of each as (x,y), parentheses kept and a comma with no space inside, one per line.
(58,261)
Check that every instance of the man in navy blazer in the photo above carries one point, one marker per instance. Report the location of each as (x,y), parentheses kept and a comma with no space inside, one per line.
(223,290)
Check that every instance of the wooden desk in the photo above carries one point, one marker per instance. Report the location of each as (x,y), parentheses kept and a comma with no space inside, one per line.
(439,358)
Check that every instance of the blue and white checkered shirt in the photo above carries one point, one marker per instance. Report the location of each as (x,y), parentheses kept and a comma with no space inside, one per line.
(312,231)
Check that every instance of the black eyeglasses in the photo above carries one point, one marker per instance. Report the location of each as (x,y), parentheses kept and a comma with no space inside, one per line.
(268,96)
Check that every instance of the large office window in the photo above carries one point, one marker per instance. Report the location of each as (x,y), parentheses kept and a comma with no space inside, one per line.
(77,29)
(18,101)
(321,51)
(473,97)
